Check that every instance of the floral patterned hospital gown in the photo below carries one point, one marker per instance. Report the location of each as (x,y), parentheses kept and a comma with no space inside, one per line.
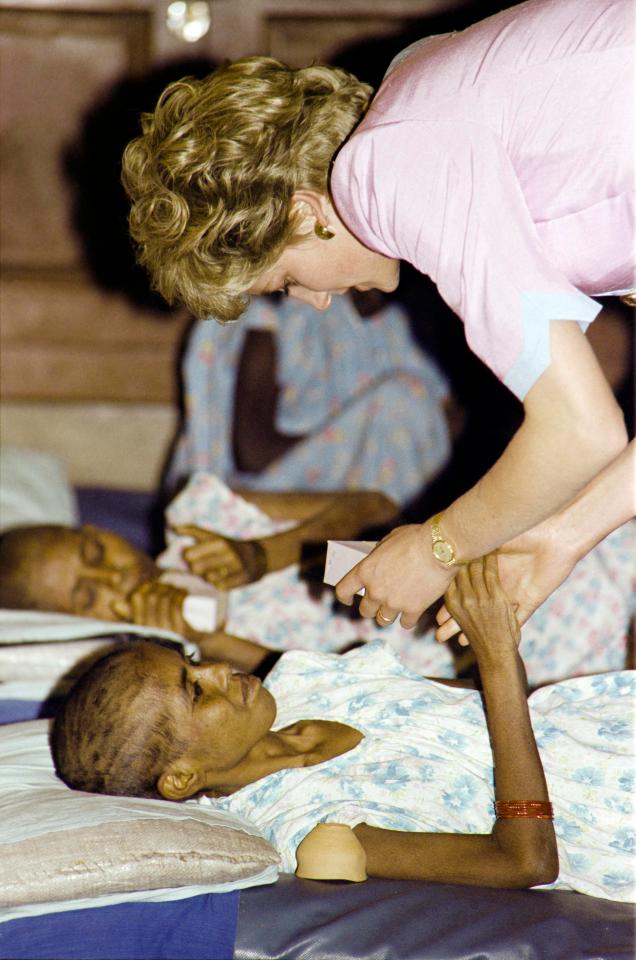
(425,762)
(363,395)
(582,627)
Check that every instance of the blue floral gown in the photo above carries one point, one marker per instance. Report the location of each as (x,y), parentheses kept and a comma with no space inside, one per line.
(425,763)
(363,395)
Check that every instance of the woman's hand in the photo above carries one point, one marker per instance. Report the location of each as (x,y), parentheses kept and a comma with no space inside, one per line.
(223,562)
(476,600)
(156,604)
(530,568)
(400,577)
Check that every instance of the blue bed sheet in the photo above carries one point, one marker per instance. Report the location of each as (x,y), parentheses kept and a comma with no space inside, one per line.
(198,928)
(16,711)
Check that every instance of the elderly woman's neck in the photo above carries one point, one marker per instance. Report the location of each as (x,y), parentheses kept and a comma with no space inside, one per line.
(301,744)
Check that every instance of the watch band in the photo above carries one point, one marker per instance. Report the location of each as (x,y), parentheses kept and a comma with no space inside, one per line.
(443,550)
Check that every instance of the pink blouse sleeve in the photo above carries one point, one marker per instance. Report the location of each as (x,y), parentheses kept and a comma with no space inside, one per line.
(445,197)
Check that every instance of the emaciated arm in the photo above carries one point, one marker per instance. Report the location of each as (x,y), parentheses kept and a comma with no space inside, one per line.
(518,852)
(230,563)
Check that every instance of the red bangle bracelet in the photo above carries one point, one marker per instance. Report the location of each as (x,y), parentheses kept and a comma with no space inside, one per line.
(527,809)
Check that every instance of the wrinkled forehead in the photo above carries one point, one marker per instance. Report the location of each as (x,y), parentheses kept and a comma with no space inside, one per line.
(49,568)
(162,664)
(62,543)
(146,664)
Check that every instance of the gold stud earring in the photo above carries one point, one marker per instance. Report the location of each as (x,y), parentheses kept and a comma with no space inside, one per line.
(323,232)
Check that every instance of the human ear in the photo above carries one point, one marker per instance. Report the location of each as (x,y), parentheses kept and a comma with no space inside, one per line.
(179,782)
(311,207)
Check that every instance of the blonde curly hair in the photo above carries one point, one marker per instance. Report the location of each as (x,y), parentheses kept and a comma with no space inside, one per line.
(212,176)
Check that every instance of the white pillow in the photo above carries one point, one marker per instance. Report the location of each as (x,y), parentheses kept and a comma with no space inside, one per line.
(34,488)
(63,849)
(48,647)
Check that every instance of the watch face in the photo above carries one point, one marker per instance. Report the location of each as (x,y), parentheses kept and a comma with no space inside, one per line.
(443,551)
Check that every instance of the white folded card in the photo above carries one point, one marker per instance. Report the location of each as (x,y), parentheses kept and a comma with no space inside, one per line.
(342,555)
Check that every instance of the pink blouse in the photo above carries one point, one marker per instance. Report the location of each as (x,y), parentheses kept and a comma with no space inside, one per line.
(499,162)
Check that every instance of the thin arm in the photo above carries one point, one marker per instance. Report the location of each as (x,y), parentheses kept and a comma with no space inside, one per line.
(341,515)
(517,853)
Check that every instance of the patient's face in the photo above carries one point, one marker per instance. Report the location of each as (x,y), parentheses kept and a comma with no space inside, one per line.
(218,711)
(86,571)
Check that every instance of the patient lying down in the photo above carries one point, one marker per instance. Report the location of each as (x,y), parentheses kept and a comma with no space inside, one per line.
(96,573)
(582,629)
(403,763)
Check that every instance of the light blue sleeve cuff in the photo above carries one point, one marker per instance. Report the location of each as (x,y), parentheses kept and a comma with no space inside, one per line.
(538,309)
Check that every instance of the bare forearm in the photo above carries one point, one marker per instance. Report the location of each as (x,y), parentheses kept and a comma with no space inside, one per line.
(345,516)
(306,504)
(518,769)
(518,853)
(477,601)
(535,476)
(476,597)
(255,438)
(240,653)
(602,506)
(572,429)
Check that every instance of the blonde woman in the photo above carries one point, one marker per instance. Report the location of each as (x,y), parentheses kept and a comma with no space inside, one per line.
(498,161)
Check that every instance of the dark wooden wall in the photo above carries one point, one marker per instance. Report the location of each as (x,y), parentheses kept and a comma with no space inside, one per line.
(89,361)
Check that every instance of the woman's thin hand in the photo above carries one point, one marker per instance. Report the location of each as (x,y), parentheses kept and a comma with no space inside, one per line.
(477,601)
(223,562)
(400,577)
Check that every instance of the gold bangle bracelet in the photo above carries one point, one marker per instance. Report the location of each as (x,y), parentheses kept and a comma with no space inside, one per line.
(524,809)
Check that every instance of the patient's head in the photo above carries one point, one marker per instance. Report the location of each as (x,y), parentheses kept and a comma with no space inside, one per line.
(114,732)
(82,571)
(145,721)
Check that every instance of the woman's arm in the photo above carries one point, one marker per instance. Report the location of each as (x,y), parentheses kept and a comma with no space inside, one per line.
(242,654)
(230,563)
(343,516)
(534,564)
(518,852)
(306,504)
(572,429)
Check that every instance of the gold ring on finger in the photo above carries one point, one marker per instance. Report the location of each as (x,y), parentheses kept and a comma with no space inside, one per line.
(380,616)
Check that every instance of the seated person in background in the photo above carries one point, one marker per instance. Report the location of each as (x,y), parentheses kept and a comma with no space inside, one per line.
(359,740)
(296,399)
(582,628)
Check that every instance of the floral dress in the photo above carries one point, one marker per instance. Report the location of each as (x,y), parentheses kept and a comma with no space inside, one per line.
(425,763)
(363,395)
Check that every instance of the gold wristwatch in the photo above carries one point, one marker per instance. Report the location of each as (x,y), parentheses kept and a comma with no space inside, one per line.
(442,549)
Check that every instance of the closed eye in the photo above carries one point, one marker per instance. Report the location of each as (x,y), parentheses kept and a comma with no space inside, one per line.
(83,596)
(91,550)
